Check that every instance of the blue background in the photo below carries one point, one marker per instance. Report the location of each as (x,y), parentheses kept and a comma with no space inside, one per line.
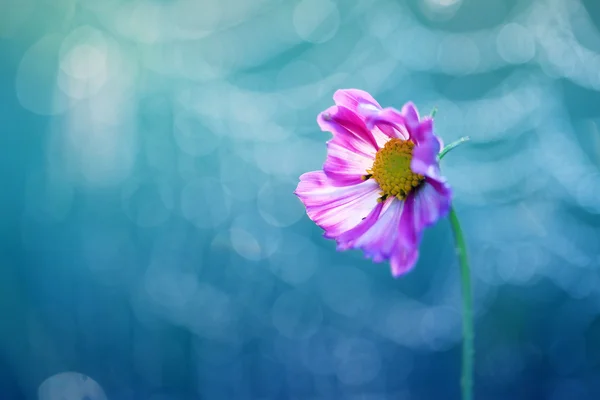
(151,246)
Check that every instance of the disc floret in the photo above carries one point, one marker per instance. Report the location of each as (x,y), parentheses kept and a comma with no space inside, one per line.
(392,171)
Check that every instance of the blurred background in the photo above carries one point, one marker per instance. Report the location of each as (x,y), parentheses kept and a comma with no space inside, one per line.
(151,246)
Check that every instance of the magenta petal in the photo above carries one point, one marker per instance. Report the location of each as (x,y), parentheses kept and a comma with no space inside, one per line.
(411,116)
(392,236)
(336,209)
(424,159)
(344,166)
(347,127)
(352,149)
(379,241)
(432,202)
(403,261)
(423,131)
(346,240)
(408,235)
(390,121)
(355,100)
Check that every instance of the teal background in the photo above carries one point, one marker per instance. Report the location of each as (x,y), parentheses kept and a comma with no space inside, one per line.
(151,246)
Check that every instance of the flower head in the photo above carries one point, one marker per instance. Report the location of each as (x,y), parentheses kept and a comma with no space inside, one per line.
(381,185)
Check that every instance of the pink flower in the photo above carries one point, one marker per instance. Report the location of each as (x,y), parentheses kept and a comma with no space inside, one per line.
(381,185)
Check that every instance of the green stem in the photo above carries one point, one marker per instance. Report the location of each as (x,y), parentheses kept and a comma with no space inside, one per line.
(468,351)
(453,145)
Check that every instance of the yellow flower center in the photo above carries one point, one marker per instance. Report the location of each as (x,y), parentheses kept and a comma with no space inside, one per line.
(391,169)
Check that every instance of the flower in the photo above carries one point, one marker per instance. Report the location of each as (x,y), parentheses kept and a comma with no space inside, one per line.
(381,184)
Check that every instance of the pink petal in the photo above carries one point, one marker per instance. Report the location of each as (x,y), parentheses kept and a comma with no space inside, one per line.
(348,127)
(411,116)
(425,160)
(394,235)
(336,209)
(343,165)
(355,100)
(381,239)
(408,236)
(346,240)
(403,261)
(432,202)
(364,105)
(424,133)
(390,121)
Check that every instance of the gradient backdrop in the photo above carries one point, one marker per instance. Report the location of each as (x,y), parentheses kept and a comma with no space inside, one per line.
(151,247)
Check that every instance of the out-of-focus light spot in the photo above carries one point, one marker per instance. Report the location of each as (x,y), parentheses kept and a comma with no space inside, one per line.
(196,19)
(296,259)
(507,262)
(169,291)
(188,62)
(98,155)
(36,78)
(148,204)
(382,20)
(290,158)
(113,106)
(297,315)
(212,314)
(14,14)
(357,361)
(141,21)
(297,82)
(84,62)
(84,53)
(72,386)
(276,204)
(394,323)
(252,108)
(517,263)
(316,21)
(458,55)
(443,3)
(245,244)
(253,238)
(515,43)
(239,178)
(260,132)
(192,136)
(208,100)
(422,57)
(346,290)
(440,327)
(204,203)
(440,9)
